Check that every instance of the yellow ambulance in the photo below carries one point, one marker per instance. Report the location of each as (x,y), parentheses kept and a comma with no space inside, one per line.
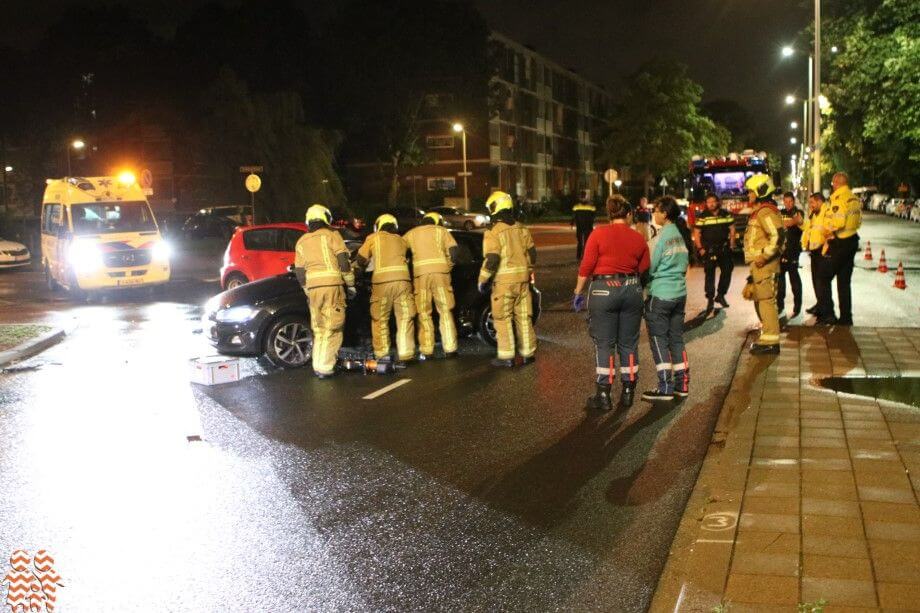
(99,233)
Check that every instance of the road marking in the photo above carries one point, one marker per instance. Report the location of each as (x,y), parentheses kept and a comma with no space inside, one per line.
(714,541)
(386,389)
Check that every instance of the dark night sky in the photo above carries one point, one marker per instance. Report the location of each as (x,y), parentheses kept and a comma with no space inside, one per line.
(731,46)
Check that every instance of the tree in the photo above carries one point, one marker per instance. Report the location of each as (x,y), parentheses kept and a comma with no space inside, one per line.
(738,121)
(872,126)
(241,127)
(386,59)
(657,126)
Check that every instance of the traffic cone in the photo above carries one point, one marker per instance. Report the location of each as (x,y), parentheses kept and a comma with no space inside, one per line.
(868,254)
(882,263)
(899,281)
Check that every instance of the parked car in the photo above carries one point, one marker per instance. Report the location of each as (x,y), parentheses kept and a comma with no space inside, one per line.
(263,317)
(877,202)
(13,254)
(257,252)
(171,224)
(204,225)
(458,218)
(407,217)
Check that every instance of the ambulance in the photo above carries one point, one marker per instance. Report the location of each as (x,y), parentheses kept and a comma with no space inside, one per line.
(98,233)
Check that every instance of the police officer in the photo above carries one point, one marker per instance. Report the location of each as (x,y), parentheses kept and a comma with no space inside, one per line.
(789,261)
(322,267)
(615,260)
(391,289)
(841,229)
(509,256)
(583,219)
(815,243)
(434,253)
(714,238)
(763,245)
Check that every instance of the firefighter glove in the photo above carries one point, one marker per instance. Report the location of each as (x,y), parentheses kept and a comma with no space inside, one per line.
(351,292)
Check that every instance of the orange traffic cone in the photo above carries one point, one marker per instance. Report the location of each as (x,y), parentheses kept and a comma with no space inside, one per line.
(899,281)
(882,264)
(868,254)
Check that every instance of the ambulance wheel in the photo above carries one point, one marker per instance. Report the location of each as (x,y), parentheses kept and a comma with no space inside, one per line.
(289,342)
(485,326)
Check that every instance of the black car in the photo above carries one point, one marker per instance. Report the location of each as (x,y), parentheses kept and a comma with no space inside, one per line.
(203,225)
(270,317)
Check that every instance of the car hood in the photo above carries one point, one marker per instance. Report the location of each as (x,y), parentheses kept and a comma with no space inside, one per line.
(255,293)
(6,245)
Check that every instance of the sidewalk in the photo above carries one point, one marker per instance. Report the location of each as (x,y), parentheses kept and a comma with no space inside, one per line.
(806,494)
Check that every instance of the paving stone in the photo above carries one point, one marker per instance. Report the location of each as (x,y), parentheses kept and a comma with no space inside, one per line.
(832,477)
(875,466)
(895,562)
(844,547)
(783,564)
(772,475)
(767,452)
(893,531)
(811,441)
(890,512)
(885,494)
(824,453)
(864,434)
(755,541)
(770,522)
(771,506)
(827,464)
(772,489)
(833,567)
(829,491)
(835,508)
(777,441)
(839,591)
(763,589)
(892,479)
(899,596)
(808,433)
(828,525)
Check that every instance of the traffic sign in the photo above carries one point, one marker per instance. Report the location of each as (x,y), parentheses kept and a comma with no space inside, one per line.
(253,183)
(251,169)
(146,179)
(663,182)
(610,175)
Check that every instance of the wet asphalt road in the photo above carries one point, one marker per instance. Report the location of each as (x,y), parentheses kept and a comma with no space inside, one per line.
(464,489)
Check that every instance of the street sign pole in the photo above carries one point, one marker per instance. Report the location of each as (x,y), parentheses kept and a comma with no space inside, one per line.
(253,183)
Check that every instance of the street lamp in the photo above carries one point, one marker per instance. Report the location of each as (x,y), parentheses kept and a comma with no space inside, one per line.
(618,183)
(793,140)
(458,128)
(794,125)
(788,51)
(7,169)
(77,145)
(790,99)
(834,49)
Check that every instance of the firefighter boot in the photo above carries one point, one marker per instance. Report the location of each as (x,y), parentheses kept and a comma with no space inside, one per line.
(627,395)
(600,401)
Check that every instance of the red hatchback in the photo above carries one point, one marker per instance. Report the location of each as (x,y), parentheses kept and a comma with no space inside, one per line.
(256,252)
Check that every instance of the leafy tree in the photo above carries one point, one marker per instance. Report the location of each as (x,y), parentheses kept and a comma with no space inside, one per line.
(738,121)
(872,128)
(242,127)
(385,59)
(657,125)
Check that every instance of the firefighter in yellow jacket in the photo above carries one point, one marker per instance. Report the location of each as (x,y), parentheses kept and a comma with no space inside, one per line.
(391,289)
(322,266)
(763,245)
(509,257)
(434,253)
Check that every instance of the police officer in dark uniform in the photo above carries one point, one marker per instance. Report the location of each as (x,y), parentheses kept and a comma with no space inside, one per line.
(714,238)
(789,261)
(583,219)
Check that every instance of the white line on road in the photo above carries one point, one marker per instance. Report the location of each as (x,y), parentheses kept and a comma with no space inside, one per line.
(386,389)
(714,541)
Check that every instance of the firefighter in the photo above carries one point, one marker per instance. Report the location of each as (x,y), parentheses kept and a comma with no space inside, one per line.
(789,261)
(509,256)
(583,219)
(763,245)
(434,253)
(323,269)
(391,290)
(714,237)
(842,223)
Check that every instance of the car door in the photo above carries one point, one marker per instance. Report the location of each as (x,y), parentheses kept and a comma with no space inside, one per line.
(260,256)
(289,238)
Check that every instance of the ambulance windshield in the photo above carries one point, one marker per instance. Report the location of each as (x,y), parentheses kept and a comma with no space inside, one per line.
(112,217)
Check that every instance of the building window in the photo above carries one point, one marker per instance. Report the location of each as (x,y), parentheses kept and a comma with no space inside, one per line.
(442,184)
(440,142)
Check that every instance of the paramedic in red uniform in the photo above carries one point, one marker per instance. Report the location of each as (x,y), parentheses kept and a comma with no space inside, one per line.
(616,258)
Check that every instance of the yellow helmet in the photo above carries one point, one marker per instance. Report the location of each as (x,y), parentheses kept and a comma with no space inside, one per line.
(761,185)
(499,201)
(383,220)
(436,218)
(318,212)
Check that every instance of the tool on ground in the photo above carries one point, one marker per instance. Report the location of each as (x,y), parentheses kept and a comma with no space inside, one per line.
(368,365)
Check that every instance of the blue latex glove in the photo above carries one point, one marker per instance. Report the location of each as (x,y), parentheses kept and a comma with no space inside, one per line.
(578,302)
(483,288)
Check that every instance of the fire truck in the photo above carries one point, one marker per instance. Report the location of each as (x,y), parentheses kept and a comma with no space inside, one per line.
(725,177)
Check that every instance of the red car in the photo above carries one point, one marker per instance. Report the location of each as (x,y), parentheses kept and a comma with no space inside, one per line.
(257,252)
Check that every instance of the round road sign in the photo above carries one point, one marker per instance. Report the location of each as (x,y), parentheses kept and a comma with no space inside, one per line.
(253,183)
(610,175)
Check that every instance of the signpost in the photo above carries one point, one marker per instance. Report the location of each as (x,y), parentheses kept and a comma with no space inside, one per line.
(663,184)
(610,176)
(146,182)
(253,183)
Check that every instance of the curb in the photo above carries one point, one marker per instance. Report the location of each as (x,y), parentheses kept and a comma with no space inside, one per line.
(31,348)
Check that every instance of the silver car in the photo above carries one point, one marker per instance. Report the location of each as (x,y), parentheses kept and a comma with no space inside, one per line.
(461,219)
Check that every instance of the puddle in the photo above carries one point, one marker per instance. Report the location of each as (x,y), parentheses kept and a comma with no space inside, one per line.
(905,390)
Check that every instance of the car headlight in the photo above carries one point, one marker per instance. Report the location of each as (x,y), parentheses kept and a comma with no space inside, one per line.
(481,219)
(236,315)
(85,257)
(161,252)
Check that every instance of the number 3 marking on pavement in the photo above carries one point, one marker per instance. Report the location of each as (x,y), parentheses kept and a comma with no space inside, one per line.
(715,522)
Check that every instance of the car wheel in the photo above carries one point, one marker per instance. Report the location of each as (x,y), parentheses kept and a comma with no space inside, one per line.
(468,225)
(289,342)
(235,279)
(485,326)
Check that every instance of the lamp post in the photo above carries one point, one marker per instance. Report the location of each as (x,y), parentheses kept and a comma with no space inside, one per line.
(458,127)
(77,145)
(816,124)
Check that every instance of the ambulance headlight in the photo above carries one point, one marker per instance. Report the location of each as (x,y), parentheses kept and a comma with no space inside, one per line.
(161,252)
(236,315)
(85,257)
